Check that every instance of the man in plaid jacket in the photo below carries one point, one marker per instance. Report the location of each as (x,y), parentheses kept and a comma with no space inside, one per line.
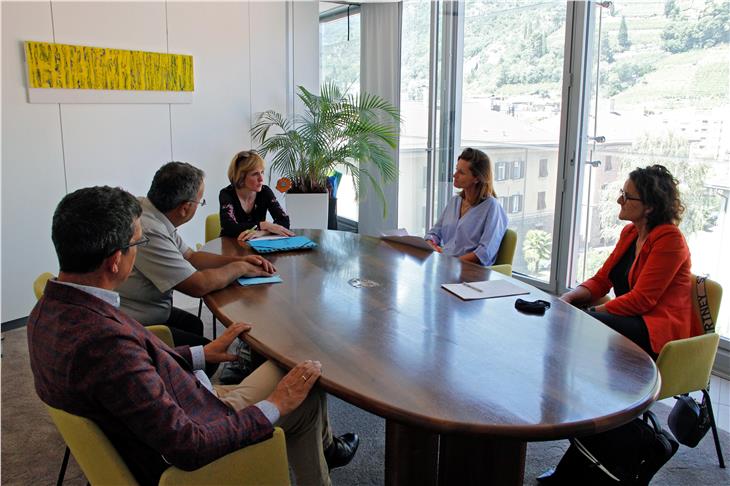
(154,404)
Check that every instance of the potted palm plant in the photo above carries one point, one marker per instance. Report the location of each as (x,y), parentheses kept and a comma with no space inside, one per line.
(336,130)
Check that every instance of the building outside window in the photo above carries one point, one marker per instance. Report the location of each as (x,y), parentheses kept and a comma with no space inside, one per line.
(501,171)
(543,168)
(541,201)
(517,169)
(515,203)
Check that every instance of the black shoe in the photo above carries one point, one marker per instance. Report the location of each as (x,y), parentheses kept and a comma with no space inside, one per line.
(232,375)
(342,450)
(548,477)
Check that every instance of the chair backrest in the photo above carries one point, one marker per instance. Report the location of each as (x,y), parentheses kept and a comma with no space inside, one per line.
(713,293)
(506,252)
(39,285)
(685,364)
(212,227)
(162,332)
(95,454)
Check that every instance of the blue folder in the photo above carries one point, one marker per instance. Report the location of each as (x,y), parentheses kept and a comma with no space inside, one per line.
(283,244)
(246,281)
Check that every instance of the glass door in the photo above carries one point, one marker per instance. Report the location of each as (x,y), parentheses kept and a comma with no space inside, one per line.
(339,62)
(659,94)
(513,64)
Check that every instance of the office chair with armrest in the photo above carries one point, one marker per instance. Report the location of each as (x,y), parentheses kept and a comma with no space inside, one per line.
(685,365)
(262,463)
(162,332)
(212,231)
(506,253)
(39,285)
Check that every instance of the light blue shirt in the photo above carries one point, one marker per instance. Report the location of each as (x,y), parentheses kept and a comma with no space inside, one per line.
(480,230)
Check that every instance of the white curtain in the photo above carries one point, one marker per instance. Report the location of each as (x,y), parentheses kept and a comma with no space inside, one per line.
(380,41)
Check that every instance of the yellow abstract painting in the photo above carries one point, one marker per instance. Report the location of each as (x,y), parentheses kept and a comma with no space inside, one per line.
(81,67)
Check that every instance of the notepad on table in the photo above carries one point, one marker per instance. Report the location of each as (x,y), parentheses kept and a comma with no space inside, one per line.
(248,281)
(487,289)
(282,244)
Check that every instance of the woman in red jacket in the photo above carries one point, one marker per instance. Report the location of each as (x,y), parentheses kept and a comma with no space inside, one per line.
(649,269)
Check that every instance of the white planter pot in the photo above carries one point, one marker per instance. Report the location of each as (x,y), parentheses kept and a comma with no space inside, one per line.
(307,211)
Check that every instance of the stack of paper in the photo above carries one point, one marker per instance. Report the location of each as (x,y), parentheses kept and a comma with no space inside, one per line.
(401,236)
(486,289)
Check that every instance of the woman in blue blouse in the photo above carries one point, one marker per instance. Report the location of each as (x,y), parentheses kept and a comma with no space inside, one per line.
(473,223)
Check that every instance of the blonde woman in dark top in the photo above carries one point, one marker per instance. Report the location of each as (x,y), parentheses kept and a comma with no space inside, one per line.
(244,203)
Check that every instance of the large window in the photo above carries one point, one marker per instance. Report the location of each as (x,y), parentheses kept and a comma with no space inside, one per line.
(339,62)
(512,93)
(660,94)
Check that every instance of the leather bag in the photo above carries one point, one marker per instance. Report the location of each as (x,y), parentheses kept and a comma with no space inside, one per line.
(689,420)
(629,454)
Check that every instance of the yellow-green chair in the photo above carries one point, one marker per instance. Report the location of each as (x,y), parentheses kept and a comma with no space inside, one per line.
(212,231)
(39,285)
(685,364)
(212,227)
(506,253)
(264,463)
(162,332)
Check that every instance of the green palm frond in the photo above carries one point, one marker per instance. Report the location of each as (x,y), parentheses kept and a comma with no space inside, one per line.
(356,131)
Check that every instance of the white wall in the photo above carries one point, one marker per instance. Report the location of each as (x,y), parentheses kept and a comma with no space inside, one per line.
(243,65)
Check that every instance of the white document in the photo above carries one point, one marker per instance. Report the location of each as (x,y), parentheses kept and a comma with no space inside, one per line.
(269,236)
(401,235)
(486,289)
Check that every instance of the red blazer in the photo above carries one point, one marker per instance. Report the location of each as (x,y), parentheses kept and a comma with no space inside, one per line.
(90,359)
(660,284)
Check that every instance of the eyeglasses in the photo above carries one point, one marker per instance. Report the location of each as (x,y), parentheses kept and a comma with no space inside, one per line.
(141,242)
(242,156)
(201,202)
(623,196)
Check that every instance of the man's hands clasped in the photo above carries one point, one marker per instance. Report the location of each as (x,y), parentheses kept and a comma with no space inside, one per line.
(256,266)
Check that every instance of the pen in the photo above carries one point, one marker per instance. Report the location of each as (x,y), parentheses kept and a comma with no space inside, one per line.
(470,286)
(246,232)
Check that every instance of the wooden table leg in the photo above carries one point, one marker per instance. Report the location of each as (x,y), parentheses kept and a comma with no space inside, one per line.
(411,455)
(478,460)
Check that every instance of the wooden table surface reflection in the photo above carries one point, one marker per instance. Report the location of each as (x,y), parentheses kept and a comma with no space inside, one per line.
(475,379)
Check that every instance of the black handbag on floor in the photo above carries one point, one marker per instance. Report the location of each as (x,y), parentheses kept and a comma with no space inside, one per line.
(689,421)
(630,454)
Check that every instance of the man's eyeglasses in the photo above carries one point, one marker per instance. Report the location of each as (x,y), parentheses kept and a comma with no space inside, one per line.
(625,197)
(201,202)
(141,242)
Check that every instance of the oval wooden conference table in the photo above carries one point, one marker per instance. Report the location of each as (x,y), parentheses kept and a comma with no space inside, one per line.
(463,385)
